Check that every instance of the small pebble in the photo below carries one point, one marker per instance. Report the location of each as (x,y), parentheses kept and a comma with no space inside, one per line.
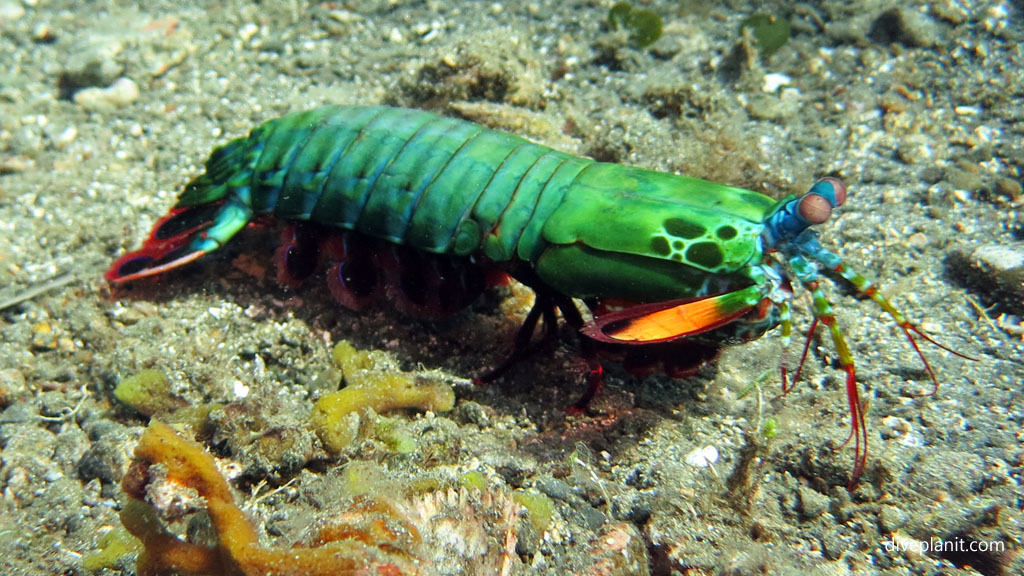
(44,337)
(962,179)
(246,32)
(13,164)
(121,93)
(812,503)
(43,33)
(702,457)
(918,240)
(967,110)
(619,550)
(10,11)
(896,424)
(773,82)
(1009,188)
(92,62)
(891,518)
(915,148)
(906,26)
(13,387)
(554,488)
(995,271)
(66,137)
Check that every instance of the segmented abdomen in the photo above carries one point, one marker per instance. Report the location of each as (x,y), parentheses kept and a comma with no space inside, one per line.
(411,177)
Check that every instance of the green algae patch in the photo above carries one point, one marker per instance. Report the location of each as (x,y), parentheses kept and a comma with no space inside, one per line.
(644,26)
(473,480)
(374,383)
(540,507)
(769,32)
(114,547)
(148,392)
(359,478)
(388,430)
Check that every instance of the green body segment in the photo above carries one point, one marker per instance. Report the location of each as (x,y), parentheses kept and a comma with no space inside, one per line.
(448,186)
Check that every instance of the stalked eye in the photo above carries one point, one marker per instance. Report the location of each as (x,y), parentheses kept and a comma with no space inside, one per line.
(814,208)
(839,189)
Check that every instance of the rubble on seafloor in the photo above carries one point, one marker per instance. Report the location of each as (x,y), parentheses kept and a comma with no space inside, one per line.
(400,527)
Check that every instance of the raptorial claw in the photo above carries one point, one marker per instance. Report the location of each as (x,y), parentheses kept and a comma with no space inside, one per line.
(671,320)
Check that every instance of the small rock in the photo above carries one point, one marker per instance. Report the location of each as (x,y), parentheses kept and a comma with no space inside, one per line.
(1009,188)
(593,517)
(702,457)
(894,427)
(121,93)
(995,271)
(834,546)
(44,337)
(908,27)
(891,518)
(10,12)
(853,30)
(106,460)
(915,149)
(950,11)
(918,240)
(65,138)
(774,81)
(964,179)
(27,461)
(473,412)
(554,488)
(953,472)
(93,62)
(771,107)
(619,550)
(44,34)
(812,503)
(13,387)
(55,404)
(931,174)
(14,164)
(72,443)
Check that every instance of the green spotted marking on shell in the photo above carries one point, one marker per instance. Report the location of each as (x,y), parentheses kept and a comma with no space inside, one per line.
(726,232)
(684,228)
(705,254)
(710,248)
(660,246)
